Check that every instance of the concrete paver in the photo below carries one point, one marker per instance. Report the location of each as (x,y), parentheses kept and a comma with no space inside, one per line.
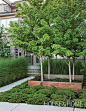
(79,109)
(25,107)
(5,106)
(10,86)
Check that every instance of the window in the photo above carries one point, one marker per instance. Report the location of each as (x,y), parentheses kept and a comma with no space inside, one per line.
(19,53)
(3,22)
(6,7)
(16,52)
(6,22)
(15,19)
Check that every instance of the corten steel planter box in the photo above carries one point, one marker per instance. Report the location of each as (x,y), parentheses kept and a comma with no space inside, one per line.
(56,84)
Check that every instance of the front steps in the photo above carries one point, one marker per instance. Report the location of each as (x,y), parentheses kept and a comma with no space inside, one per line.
(34,70)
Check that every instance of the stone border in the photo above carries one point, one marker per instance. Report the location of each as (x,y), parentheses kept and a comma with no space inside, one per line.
(53,76)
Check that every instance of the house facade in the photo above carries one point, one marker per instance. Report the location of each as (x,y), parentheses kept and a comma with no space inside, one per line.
(7,14)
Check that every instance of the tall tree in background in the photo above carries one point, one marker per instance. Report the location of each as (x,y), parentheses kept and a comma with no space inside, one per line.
(68,38)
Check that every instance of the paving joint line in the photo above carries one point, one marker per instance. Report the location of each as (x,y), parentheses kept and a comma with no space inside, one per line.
(74,109)
(15,107)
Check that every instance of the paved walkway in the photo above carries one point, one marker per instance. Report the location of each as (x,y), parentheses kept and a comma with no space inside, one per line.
(10,86)
(5,106)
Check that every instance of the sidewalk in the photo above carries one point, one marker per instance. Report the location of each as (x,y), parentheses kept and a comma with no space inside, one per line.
(5,106)
(10,86)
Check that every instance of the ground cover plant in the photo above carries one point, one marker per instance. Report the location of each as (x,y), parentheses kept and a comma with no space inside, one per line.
(84,83)
(40,95)
(12,69)
(61,80)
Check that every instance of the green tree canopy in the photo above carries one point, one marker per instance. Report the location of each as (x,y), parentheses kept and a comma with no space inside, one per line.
(46,23)
(69,38)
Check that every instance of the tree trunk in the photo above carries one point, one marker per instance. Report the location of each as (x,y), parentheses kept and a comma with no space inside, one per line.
(56,56)
(69,70)
(48,67)
(73,68)
(41,68)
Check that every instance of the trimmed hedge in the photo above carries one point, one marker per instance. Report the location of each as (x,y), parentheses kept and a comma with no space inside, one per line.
(12,69)
(60,67)
(40,95)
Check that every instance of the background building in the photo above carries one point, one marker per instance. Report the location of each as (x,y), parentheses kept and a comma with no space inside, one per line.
(7,14)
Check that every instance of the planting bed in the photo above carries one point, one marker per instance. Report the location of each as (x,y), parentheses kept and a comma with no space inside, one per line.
(62,80)
(61,76)
(58,83)
(40,95)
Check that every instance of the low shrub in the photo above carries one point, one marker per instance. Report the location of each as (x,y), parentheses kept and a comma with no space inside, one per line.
(18,97)
(4,97)
(40,95)
(84,83)
(37,88)
(82,94)
(45,91)
(67,92)
(53,88)
(80,103)
(59,100)
(56,97)
(38,99)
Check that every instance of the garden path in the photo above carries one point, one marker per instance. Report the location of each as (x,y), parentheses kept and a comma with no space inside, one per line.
(10,86)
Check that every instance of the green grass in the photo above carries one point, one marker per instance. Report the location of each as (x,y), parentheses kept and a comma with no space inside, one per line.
(38,95)
(12,69)
(60,67)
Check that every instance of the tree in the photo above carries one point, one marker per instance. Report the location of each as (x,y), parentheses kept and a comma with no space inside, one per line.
(69,41)
(45,35)
(35,32)
(22,35)
(44,29)
(4,52)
